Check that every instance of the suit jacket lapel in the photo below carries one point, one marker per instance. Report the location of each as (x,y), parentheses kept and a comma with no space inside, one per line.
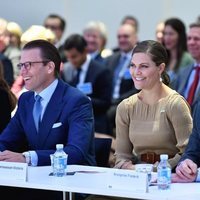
(184,79)
(89,73)
(196,97)
(116,61)
(112,62)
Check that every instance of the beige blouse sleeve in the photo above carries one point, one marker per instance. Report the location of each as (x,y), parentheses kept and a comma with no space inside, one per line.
(181,120)
(124,147)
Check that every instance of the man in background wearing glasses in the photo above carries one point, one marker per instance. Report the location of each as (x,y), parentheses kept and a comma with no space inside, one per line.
(65,117)
(57,25)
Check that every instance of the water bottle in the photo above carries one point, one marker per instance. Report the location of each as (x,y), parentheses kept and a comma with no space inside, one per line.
(59,161)
(164,173)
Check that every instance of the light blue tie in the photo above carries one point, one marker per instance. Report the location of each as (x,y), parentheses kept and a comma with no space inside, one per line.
(37,110)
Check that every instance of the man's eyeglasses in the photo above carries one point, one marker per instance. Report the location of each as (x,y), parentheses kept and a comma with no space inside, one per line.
(27,65)
(123,36)
(52,27)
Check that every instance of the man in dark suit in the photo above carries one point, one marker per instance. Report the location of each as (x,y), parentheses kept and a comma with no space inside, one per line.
(186,76)
(133,21)
(92,78)
(66,116)
(57,25)
(186,170)
(95,35)
(118,63)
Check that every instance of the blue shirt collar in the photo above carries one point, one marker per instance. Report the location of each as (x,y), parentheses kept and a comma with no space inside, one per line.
(47,92)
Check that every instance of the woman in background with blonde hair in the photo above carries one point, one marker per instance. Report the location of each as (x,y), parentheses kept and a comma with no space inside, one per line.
(8,101)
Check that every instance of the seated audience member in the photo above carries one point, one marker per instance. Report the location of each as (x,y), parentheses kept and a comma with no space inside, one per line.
(174,40)
(131,20)
(13,49)
(187,81)
(89,76)
(187,170)
(148,123)
(95,34)
(159,32)
(118,63)
(7,64)
(65,116)
(8,69)
(8,101)
(34,32)
(57,25)
(14,32)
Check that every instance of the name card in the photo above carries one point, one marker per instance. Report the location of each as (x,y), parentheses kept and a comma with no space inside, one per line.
(13,171)
(128,180)
(86,88)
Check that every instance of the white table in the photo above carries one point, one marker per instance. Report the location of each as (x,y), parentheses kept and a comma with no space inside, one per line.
(96,183)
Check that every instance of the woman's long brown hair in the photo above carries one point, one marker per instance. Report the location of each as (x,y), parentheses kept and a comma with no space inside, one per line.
(4,85)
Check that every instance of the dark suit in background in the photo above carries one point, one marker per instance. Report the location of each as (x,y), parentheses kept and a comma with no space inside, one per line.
(181,82)
(185,76)
(187,170)
(100,78)
(118,63)
(126,88)
(91,77)
(98,58)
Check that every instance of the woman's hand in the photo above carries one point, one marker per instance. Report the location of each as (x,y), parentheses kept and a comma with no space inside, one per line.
(128,165)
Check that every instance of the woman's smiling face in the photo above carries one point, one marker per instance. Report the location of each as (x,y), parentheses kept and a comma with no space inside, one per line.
(144,71)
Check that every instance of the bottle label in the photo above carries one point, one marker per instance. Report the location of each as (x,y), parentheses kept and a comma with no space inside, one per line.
(60,162)
(164,178)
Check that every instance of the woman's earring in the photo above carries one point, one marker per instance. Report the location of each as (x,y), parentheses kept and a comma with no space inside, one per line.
(161,79)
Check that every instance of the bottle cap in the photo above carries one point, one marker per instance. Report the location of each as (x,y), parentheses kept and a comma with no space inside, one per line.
(163,157)
(59,146)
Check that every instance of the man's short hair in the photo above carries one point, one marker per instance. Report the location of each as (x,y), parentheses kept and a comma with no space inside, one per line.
(98,26)
(132,18)
(75,41)
(48,52)
(195,25)
(62,21)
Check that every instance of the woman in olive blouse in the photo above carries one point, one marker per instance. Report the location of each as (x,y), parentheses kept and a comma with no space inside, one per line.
(154,121)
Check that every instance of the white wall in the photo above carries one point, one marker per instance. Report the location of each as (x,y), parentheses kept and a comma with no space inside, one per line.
(78,12)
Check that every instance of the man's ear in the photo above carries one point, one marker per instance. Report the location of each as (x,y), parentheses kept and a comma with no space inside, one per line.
(51,67)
